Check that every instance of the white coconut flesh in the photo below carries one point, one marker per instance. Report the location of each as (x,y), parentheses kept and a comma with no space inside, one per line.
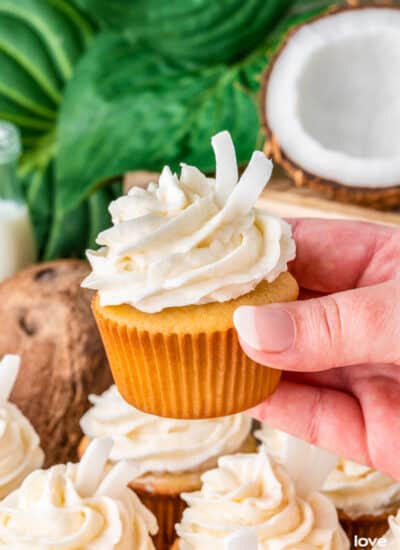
(333,98)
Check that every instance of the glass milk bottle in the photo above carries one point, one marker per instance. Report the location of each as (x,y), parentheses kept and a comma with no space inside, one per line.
(17,242)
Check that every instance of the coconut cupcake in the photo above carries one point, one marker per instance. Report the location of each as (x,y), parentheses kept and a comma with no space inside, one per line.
(171,455)
(76,507)
(363,497)
(20,451)
(254,492)
(181,256)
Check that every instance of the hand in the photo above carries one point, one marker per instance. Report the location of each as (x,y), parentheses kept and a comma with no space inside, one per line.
(340,350)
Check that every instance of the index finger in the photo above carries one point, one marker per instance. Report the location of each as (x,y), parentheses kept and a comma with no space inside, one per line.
(336,255)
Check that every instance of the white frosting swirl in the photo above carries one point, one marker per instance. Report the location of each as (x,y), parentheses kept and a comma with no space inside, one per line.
(360,490)
(250,491)
(48,513)
(192,240)
(392,537)
(355,489)
(20,451)
(161,444)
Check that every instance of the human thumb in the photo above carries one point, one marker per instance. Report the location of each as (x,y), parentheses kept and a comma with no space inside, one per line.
(347,328)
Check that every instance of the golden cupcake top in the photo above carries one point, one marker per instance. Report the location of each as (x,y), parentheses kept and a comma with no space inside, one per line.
(191,240)
(77,507)
(162,444)
(20,451)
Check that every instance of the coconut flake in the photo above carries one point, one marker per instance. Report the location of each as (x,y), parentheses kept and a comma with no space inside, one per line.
(242,539)
(91,466)
(226,173)
(250,186)
(9,368)
(118,478)
(307,465)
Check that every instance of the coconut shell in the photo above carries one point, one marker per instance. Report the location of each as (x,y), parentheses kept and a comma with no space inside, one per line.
(380,198)
(45,317)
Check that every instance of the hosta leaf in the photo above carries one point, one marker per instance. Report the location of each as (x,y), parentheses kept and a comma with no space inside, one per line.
(196,30)
(57,33)
(81,25)
(40,41)
(21,116)
(73,232)
(19,87)
(99,217)
(128,108)
(23,45)
(38,184)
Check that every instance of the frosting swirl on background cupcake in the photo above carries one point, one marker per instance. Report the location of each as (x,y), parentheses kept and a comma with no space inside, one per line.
(355,489)
(191,240)
(20,451)
(48,512)
(161,444)
(359,490)
(251,491)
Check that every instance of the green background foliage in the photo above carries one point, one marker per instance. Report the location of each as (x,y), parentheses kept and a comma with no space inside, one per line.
(100,87)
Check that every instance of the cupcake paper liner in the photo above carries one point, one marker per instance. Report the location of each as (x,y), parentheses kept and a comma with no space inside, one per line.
(168,510)
(185,376)
(369,527)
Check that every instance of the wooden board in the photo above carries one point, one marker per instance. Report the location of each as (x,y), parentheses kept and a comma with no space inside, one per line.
(282,198)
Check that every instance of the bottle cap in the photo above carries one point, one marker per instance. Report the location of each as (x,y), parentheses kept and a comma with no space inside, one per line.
(10,142)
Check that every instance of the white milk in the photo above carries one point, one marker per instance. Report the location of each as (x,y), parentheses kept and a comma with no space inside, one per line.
(17,242)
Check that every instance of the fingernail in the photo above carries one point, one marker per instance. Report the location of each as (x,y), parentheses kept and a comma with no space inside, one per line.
(265,328)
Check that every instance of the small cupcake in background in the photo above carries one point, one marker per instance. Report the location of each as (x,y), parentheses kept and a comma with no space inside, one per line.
(180,258)
(77,507)
(20,451)
(391,539)
(252,491)
(171,455)
(363,497)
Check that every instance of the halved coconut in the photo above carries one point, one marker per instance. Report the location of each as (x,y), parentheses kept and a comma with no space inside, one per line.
(330,105)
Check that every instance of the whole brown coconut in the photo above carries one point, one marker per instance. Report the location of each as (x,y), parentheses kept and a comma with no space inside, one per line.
(380,196)
(45,317)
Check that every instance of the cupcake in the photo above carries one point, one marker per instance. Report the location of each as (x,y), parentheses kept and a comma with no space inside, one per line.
(251,491)
(363,497)
(181,256)
(20,451)
(77,507)
(171,455)
(391,539)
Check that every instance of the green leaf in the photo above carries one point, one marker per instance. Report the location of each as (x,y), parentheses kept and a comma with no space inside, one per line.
(22,44)
(21,116)
(71,233)
(128,108)
(19,87)
(56,32)
(82,26)
(99,217)
(196,30)
(38,185)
